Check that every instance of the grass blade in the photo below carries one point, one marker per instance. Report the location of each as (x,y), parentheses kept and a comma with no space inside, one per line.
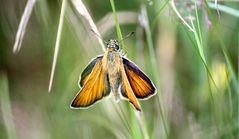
(23,24)
(6,107)
(119,34)
(145,24)
(198,25)
(223,8)
(142,124)
(158,14)
(58,38)
(226,54)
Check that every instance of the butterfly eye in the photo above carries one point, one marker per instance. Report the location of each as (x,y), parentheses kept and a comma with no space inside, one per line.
(116,47)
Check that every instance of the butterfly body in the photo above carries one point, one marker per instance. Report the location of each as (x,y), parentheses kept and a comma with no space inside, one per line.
(112,73)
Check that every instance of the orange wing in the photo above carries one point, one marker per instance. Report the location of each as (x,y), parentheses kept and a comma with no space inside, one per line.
(85,74)
(95,87)
(127,90)
(141,85)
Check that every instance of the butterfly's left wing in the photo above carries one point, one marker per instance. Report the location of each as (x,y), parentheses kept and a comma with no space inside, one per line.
(85,74)
(141,85)
(94,89)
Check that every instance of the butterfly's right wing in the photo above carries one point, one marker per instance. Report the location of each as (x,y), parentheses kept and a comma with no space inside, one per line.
(126,88)
(140,83)
(85,74)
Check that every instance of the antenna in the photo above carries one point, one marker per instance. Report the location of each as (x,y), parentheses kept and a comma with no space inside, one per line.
(127,36)
(97,35)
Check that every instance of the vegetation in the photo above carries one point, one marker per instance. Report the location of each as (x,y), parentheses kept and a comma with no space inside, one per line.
(188,48)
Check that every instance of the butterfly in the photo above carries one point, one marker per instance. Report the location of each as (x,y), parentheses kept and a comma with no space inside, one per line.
(112,73)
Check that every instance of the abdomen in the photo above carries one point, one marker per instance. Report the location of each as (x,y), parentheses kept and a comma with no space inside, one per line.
(113,63)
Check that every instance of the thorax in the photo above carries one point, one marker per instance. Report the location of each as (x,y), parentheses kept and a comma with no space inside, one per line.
(113,62)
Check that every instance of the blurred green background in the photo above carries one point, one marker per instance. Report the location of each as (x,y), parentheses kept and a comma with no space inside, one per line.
(191,54)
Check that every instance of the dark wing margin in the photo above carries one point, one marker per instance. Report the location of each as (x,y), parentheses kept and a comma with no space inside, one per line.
(141,85)
(86,72)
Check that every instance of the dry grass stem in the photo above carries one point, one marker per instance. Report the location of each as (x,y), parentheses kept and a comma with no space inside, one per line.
(58,38)
(81,8)
(23,24)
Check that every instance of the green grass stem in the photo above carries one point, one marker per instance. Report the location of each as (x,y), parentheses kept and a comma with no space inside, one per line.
(5,102)
(118,30)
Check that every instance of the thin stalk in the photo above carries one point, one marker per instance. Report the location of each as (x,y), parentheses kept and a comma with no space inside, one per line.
(142,124)
(229,94)
(198,25)
(123,118)
(223,47)
(145,24)
(58,38)
(119,34)
(201,54)
(214,108)
(158,15)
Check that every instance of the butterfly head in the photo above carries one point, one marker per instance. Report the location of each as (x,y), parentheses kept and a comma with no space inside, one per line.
(113,45)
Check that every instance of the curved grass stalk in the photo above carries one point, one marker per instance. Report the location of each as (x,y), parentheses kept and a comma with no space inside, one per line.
(198,25)
(199,48)
(198,38)
(81,8)
(23,24)
(180,17)
(230,66)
